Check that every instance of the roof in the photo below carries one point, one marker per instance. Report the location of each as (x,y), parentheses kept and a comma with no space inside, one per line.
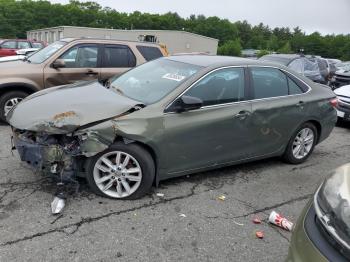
(284,59)
(87,39)
(122,30)
(210,60)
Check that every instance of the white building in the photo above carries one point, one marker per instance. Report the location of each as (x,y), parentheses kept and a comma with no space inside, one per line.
(175,41)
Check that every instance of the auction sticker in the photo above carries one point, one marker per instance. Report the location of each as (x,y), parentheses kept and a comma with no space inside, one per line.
(174,77)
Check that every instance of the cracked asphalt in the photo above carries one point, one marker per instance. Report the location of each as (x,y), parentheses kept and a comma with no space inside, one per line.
(153,228)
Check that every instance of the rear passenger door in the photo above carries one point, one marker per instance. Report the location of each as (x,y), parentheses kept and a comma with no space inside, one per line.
(116,59)
(278,108)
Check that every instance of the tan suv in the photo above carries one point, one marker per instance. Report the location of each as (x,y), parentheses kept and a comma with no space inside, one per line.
(67,61)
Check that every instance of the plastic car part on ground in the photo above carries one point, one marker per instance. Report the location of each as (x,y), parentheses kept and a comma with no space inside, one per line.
(259,234)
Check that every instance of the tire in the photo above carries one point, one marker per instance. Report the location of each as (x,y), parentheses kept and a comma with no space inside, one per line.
(139,159)
(5,99)
(295,158)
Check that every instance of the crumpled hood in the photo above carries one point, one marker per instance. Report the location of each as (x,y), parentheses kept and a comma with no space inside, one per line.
(61,110)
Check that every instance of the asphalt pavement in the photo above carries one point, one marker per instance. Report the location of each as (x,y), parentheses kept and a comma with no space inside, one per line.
(189,223)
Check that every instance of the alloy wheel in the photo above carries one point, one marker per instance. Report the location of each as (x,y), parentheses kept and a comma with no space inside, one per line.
(117,174)
(11,103)
(303,143)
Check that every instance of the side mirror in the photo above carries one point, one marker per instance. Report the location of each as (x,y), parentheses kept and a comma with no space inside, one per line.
(186,103)
(59,63)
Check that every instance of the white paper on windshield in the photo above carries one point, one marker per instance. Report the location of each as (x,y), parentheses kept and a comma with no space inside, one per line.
(174,77)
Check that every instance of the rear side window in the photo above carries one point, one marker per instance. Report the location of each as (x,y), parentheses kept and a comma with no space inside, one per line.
(268,82)
(149,52)
(294,89)
(23,45)
(118,56)
(9,44)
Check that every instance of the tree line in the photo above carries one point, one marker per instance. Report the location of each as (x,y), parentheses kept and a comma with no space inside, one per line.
(17,17)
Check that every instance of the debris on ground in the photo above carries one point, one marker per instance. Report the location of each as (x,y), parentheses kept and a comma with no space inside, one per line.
(259,234)
(182,215)
(239,224)
(160,195)
(256,220)
(222,198)
(279,220)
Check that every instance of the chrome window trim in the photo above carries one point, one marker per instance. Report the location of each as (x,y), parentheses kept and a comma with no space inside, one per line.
(244,101)
(331,230)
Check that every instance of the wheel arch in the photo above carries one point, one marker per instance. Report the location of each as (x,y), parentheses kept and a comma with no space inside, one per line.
(149,149)
(28,88)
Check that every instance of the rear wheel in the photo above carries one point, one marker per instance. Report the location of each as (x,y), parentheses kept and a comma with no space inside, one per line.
(301,144)
(8,101)
(121,172)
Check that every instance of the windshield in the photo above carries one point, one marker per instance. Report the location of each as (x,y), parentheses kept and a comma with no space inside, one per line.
(152,81)
(334,200)
(46,52)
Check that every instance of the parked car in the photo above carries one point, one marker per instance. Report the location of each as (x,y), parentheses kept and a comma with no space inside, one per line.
(8,47)
(299,63)
(343,108)
(68,61)
(322,232)
(341,76)
(171,117)
(21,54)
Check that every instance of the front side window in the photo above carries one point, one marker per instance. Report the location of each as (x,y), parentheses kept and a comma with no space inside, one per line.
(23,45)
(268,82)
(46,52)
(220,87)
(82,56)
(149,52)
(150,82)
(118,56)
(9,45)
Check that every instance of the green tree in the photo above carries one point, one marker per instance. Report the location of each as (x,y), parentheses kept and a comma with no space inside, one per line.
(231,48)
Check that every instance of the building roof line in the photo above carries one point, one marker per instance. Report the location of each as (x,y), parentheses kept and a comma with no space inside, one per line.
(122,30)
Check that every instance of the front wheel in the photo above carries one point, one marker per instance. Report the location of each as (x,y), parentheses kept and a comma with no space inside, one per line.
(121,172)
(301,144)
(8,101)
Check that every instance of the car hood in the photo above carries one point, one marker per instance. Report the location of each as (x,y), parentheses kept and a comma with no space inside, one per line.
(343,91)
(63,109)
(343,72)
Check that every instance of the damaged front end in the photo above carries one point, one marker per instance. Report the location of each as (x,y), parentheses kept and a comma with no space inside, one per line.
(63,155)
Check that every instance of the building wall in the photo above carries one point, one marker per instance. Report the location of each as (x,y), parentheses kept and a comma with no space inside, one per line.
(175,41)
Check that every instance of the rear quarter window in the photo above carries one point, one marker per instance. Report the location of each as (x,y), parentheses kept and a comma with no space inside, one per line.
(149,52)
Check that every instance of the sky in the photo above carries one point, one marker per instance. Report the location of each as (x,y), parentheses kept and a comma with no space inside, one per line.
(324,16)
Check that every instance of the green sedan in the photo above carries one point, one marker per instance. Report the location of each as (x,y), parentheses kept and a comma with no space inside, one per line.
(171,117)
(322,232)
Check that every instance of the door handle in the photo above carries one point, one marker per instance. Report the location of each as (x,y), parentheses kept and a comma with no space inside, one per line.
(91,72)
(242,115)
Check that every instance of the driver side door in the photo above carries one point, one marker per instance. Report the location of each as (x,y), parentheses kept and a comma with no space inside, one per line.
(82,63)
(215,134)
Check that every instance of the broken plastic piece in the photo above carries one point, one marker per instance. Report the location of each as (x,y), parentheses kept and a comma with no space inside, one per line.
(256,220)
(182,215)
(259,234)
(280,221)
(57,205)
(222,198)
(160,194)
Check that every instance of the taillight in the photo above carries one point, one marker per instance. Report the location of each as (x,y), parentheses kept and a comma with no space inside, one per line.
(334,102)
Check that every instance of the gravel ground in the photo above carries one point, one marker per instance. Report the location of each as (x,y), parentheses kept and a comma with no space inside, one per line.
(152,229)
